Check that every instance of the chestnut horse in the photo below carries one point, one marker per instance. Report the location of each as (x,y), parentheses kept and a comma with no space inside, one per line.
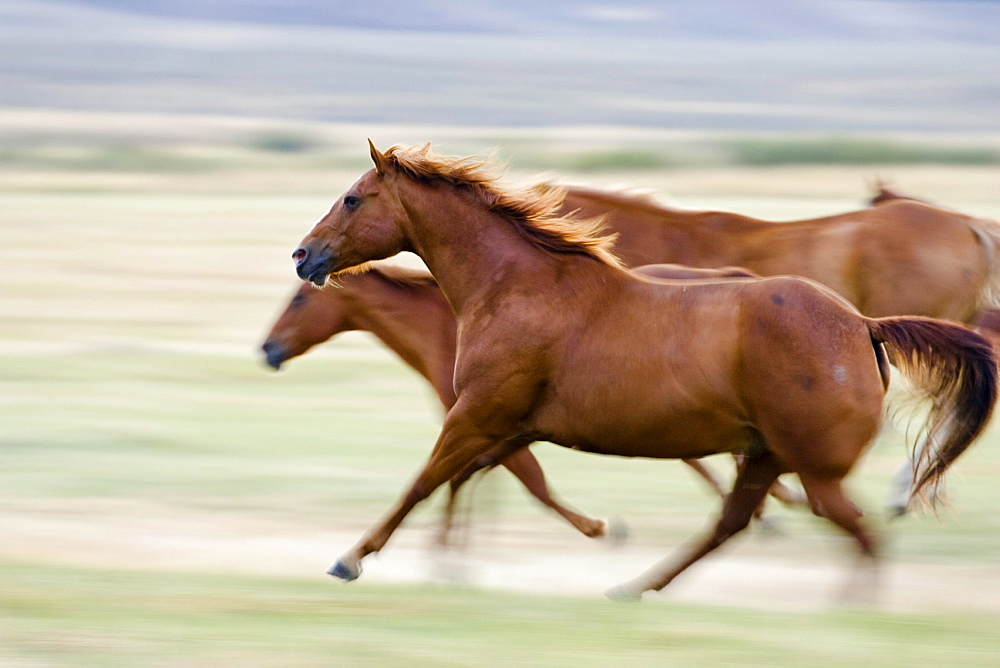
(557,342)
(406,310)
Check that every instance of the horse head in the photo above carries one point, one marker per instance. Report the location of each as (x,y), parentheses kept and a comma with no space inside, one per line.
(364,224)
(311,317)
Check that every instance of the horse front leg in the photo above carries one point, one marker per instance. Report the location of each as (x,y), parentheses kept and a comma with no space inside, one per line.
(526,468)
(457,447)
(490,459)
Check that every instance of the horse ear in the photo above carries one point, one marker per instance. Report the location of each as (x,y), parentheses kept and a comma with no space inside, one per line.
(381,162)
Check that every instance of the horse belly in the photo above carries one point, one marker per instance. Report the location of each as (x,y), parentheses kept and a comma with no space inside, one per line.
(637,430)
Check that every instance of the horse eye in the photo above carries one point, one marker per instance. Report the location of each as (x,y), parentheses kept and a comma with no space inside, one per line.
(351,202)
(298,300)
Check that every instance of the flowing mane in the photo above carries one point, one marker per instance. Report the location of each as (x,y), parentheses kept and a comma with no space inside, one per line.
(532,212)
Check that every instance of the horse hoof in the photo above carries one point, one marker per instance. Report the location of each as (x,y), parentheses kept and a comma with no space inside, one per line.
(617,533)
(344,572)
(622,594)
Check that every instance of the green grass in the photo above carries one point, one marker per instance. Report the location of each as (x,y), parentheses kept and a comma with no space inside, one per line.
(75,616)
(292,149)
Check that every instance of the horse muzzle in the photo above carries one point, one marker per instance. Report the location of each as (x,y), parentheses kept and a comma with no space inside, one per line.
(313,265)
(274,353)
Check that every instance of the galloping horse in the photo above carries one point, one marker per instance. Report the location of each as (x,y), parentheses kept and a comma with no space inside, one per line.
(557,342)
(406,310)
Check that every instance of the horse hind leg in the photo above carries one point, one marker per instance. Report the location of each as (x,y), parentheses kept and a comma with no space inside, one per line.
(827,499)
(753,480)
(786,494)
(900,499)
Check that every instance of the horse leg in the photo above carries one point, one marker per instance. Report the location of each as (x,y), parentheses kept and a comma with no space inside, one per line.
(898,501)
(827,499)
(716,483)
(458,446)
(753,479)
(448,514)
(483,461)
(526,468)
(904,480)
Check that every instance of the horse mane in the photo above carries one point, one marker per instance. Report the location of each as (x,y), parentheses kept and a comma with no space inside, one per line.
(533,212)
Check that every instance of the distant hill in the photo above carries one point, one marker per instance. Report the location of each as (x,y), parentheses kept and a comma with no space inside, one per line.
(780,65)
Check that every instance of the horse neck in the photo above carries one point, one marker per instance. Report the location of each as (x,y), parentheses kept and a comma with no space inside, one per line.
(469,249)
(415,322)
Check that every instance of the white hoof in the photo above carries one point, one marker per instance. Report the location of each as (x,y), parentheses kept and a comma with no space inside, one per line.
(621,594)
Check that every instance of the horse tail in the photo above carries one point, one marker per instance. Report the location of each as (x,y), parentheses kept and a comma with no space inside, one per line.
(954,368)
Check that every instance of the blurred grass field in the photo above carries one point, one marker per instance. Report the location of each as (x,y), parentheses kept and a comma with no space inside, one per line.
(167,500)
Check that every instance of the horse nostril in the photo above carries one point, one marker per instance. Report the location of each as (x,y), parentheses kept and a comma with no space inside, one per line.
(300,255)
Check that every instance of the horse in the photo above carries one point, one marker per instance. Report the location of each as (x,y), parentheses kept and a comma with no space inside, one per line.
(558,342)
(406,311)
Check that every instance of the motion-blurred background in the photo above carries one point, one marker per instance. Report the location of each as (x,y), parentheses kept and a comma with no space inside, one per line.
(166,499)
